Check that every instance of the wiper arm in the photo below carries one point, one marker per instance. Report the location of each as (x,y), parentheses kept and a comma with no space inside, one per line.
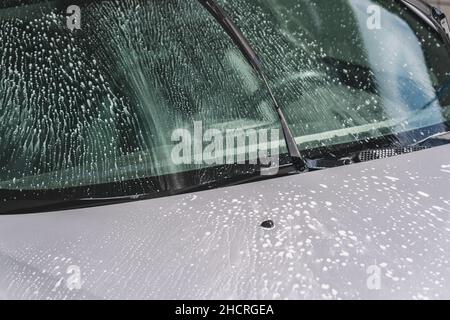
(233,31)
(442,138)
(244,46)
(441,93)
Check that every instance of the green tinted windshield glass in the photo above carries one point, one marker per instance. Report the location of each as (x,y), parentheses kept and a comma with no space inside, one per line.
(101,104)
(348,70)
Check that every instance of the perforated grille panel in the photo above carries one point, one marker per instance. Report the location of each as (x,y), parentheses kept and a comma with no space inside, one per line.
(386,153)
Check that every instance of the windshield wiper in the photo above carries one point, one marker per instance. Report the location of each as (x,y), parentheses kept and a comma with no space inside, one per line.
(441,93)
(438,138)
(244,46)
(22,201)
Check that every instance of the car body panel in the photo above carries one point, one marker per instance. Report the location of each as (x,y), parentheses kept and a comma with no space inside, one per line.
(333,229)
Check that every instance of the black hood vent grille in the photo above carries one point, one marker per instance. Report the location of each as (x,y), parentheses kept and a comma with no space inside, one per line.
(375,154)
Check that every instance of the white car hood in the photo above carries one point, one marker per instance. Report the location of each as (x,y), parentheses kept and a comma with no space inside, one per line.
(335,230)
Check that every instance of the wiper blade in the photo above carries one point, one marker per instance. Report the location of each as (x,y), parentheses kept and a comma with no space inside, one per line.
(233,31)
(19,201)
(440,138)
(440,94)
(244,46)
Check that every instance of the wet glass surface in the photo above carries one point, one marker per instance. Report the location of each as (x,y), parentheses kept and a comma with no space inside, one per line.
(99,104)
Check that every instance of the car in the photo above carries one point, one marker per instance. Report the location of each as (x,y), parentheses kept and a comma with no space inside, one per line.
(229,149)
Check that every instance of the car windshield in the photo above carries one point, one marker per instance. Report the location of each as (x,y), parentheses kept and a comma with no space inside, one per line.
(102,92)
(349,70)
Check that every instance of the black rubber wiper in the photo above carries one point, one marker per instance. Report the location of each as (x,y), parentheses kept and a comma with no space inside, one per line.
(436,139)
(441,93)
(244,46)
